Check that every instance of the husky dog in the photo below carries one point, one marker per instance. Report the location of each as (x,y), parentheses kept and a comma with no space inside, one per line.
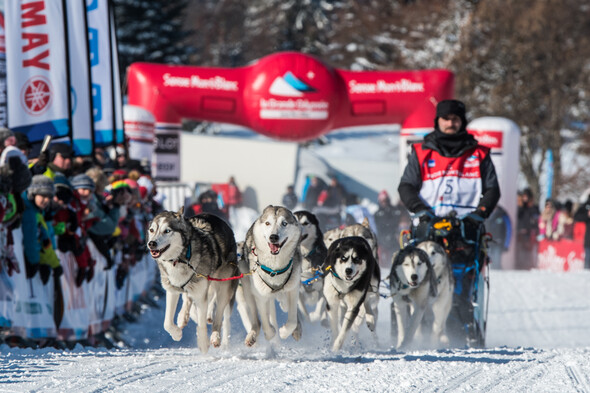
(273,258)
(363,230)
(313,251)
(413,287)
(440,307)
(191,253)
(331,236)
(351,268)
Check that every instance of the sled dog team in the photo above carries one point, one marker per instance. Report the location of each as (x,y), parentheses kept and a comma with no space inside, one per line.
(285,258)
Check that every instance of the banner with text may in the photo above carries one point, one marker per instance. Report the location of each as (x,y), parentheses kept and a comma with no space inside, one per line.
(37,85)
(82,121)
(101,71)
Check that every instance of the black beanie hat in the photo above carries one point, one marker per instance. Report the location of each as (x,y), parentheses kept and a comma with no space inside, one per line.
(450,107)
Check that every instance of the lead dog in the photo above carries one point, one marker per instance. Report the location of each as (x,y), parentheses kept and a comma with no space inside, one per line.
(351,268)
(413,287)
(189,253)
(313,252)
(273,272)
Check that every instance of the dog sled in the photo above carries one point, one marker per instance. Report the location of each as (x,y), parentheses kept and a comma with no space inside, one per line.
(465,242)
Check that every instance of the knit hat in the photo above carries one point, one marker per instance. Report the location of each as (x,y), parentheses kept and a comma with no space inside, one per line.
(82,181)
(61,181)
(41,185)
(383,195)
(5,133)
(450,107)
(65,150)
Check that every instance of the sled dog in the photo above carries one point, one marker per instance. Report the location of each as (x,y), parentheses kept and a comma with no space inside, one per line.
(440,307)
(351,269)
(313,252)
(413,287)
(273,272)
(363,230)
(191,253)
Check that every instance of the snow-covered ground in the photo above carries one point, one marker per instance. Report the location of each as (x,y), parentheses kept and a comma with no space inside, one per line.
(538,341)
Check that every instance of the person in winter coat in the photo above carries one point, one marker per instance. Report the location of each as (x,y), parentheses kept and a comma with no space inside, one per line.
(450,171)
(582,214)
(38,246)
(83,205)
(290,198)
(388,219)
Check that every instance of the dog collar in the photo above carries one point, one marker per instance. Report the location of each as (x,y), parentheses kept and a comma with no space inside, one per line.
(333,272)
(272,272)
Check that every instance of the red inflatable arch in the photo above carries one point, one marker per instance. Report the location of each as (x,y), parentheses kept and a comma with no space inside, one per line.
(288,96)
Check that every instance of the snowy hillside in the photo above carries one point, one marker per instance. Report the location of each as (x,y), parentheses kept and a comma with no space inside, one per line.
(537,341)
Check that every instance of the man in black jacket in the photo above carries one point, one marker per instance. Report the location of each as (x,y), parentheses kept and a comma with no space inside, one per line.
(450,170)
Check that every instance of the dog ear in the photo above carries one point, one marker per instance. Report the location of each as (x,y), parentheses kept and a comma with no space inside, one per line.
(180,212)
(365,223)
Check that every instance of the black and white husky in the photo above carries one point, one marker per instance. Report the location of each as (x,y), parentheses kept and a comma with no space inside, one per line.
(272,269)
(192,253)
(350,270)
(418,289)
(313,252)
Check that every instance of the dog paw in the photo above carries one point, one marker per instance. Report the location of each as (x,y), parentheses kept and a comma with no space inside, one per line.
(285,332)
(271,332)
(250,339)
(215,339)
(174,331)
(297,332)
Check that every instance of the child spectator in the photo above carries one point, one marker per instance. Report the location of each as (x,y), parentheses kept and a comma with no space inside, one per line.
(548,221)
(38,247)
(84,207)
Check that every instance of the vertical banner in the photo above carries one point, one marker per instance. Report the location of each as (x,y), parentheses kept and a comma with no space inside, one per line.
(3,105)
(117,101)
(36,62)
(101,70)
(81,98)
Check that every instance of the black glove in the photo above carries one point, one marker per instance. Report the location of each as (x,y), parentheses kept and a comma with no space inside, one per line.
(473,220)
(80,276)
(57,272)
(31,269)
(425,215)
(89,273)
(44,272)
(120,278)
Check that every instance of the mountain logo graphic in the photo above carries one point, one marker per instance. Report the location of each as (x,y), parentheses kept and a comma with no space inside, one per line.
(289,85)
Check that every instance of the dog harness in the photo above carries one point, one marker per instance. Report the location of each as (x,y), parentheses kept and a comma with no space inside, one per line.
(272,272)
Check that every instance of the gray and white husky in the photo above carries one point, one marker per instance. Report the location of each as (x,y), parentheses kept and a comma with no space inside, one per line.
(191,254)
(351,269)
(313,252)
(418,289)
(272,269)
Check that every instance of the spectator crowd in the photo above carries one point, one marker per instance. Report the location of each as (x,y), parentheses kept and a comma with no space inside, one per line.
(64,205)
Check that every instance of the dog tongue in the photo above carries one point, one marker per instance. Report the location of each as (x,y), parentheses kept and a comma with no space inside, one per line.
(274,248)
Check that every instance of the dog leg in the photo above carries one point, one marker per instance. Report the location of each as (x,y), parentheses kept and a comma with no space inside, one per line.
(212,296)
(264,304)
(401,313)
(226,327)
(302,308)
(242,307)
(349,317)
(184,314)
(202,338)
(319,309)
(292,320)
(222,291)
(252,325)
(415,321)
(171,303)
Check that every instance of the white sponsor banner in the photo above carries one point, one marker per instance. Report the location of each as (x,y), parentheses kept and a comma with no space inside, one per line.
(37,86)
(101,71)
(82,122)
(117,101)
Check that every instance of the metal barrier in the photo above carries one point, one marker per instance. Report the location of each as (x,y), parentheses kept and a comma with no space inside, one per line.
(175,195)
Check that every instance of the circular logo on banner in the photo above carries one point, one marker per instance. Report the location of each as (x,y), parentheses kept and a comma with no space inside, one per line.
(36,95)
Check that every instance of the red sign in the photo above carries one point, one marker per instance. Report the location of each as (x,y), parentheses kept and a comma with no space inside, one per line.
(36,95)
(289,96)
(491,139)
(561,256)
